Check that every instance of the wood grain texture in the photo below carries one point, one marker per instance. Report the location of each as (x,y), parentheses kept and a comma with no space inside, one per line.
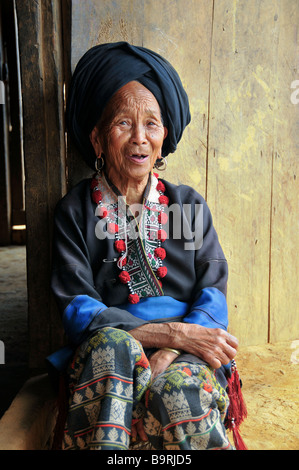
(44,151)
(237,60)
(284,293)
(182,34)
(231,56)
(93,23)
(169,29)
(240,156)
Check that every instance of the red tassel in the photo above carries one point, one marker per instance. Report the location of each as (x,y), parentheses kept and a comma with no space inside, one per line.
(120,245)
(160,253)
(162,235)
(238,441)
(164,200)
(237,407)
(162,218)
(160,186)
(162,271)
(237,411)
(133,298)
(124,277)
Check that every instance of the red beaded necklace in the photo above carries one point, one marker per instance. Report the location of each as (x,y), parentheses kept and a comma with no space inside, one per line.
(120,244)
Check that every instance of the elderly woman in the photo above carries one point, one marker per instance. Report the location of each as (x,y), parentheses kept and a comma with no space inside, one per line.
(138,272)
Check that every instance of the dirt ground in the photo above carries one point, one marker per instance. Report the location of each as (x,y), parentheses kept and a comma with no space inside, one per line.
(270,373)
(270,376)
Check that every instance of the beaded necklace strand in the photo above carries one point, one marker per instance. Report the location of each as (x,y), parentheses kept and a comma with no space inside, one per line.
(120,244)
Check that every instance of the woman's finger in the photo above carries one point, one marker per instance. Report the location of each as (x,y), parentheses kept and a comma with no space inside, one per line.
(140,430)
(133,432)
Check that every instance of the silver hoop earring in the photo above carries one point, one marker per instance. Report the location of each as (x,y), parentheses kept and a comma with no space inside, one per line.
(161,164)
(99,164)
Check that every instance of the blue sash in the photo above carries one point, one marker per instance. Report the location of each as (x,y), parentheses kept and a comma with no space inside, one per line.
(157,308)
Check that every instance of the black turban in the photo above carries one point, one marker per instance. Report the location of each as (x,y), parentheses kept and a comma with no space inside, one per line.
(102,71)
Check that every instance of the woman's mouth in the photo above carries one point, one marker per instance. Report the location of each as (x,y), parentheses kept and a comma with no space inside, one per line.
(138,158)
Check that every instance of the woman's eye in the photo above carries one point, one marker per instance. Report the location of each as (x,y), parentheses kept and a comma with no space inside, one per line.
(122,122)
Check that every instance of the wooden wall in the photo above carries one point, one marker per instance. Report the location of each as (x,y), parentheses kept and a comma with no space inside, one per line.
(42,78)
(237,60)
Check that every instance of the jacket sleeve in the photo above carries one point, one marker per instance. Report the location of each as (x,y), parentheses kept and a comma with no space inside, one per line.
(81,305)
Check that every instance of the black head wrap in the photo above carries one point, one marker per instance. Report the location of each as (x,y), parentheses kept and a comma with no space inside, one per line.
(102,71)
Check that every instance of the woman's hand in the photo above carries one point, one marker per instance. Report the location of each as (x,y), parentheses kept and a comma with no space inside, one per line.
(160,360)
(138,432)
(215,346)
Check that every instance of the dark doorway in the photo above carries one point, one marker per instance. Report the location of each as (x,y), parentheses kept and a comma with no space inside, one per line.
(12,177)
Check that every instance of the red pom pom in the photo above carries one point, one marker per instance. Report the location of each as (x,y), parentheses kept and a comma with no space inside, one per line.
(160,253)
(94,183)
(133,298)
(120,245)
(97,196)
(162,235)
(124,277)
(156,175)
(162,271)
(162,218)
(164,200)
(112,228)
(102,212)
(160,187)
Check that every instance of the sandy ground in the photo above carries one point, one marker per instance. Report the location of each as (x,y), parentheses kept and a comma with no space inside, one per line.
(270,373)
(270,376)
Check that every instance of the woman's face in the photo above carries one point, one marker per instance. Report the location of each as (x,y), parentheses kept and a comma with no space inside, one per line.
(130,134)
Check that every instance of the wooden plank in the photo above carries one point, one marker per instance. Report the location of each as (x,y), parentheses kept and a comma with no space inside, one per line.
(93,23)
(234,103)
(240,155)
(181,32)
(5,199)
(143,23)
(284,299)
(42,86)
(16,162)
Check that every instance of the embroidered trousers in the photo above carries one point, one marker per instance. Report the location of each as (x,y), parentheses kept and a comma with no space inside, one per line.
(110,385)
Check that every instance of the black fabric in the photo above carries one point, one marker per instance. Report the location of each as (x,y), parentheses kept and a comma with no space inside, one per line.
(84,265)
(102,71)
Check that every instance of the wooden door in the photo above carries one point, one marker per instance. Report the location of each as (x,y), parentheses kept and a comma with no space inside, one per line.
(237,60)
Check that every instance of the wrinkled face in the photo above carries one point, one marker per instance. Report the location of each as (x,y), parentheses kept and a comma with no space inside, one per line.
(131,133)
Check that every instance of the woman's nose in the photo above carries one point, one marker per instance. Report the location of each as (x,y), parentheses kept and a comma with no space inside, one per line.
(138,136)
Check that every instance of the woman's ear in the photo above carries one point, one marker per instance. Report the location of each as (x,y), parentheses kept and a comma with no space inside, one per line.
(94,137)
(165,132)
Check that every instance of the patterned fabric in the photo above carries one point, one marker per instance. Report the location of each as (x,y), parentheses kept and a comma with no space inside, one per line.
(186,408)
(108,377)
(141,237)
(110,385)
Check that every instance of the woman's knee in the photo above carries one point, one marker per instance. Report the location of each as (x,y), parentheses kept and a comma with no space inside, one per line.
(109,349)
(185,409)
(186,389)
